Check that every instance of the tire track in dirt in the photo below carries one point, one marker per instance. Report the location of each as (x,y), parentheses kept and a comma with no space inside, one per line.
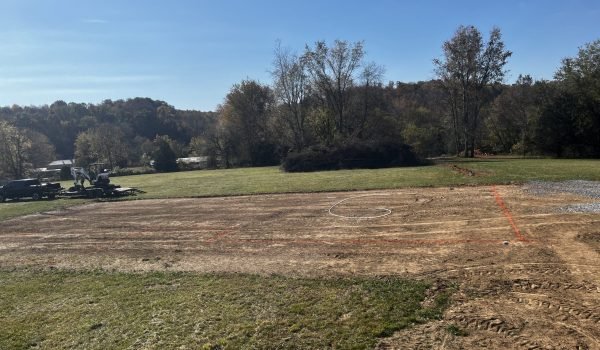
(579,313)
(457,237)
(561,307)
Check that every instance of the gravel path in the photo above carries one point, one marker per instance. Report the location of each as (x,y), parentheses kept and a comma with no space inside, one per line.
(589,189)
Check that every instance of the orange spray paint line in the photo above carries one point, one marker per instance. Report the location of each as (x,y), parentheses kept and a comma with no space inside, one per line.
(508,215)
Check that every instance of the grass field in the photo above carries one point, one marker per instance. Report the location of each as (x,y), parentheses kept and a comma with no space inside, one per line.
(272,180)
(99,310)
(503,171)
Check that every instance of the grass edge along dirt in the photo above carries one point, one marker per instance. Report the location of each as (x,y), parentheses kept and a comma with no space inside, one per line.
(100,310)
(270,180)
(13,209)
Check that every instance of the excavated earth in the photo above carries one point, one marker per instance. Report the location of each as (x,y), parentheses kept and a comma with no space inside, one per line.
(524,273)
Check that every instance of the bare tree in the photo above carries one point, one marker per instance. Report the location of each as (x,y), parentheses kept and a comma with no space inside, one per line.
(452,89)
(14,150)
(370,77)
(216,142)
(468,68)
(332,71)
(291,89)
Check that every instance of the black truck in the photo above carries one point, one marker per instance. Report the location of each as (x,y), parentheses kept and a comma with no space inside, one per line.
(29,188)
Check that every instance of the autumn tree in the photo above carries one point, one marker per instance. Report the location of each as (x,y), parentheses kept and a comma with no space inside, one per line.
(244,126)
(200,146)
(15,149)
(105,144)
(216,142)
(513,117)
(220,144)
(42,151)
(333,72)
(468,68)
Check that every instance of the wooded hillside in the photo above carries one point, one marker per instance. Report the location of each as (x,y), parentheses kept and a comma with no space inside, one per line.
(331,95)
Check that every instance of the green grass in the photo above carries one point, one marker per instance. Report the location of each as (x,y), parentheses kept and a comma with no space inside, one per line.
(101,310)
(502,171)
(272,180)
(245,181)
(25,207)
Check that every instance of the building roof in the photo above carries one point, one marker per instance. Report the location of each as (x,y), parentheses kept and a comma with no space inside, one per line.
(190,160)
(61,163)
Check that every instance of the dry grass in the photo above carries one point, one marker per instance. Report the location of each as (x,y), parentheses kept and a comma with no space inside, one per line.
(100,310)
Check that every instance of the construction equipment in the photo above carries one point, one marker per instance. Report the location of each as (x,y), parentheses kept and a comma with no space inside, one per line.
(100,186)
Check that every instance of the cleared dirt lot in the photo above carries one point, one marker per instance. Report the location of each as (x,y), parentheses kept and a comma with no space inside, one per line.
(526,275)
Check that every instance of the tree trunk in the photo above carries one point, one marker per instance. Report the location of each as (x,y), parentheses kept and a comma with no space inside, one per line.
(466,122)
(472,148)
(455,126)
(466,143)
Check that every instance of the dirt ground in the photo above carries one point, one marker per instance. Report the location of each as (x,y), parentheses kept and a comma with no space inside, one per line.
(525,275)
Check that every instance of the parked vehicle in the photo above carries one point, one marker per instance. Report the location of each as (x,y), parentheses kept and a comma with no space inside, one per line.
(29,188)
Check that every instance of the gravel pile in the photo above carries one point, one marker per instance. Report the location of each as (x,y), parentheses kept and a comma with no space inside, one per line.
(582,208)
(583,188)
(589,189)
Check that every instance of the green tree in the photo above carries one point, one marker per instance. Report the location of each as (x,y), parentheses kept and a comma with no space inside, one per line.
(556,133)
(469,66)
(422,133)
(164,158)
(579,79)
(581,74)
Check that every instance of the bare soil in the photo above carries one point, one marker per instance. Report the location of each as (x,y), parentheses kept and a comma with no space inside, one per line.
(525,275)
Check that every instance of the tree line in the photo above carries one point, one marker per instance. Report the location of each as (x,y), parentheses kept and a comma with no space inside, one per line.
(328,95)
(119,133)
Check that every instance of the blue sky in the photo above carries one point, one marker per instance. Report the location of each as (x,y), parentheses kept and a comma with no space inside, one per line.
(190,53)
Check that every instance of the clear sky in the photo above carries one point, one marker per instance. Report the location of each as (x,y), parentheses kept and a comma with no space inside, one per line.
(190,52)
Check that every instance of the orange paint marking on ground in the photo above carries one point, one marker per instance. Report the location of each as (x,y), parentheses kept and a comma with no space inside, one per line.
(508,215)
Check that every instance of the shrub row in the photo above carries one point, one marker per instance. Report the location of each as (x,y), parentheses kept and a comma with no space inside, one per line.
(353,155)
(131,171)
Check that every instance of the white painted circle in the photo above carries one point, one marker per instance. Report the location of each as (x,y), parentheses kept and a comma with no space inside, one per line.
(386,211)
